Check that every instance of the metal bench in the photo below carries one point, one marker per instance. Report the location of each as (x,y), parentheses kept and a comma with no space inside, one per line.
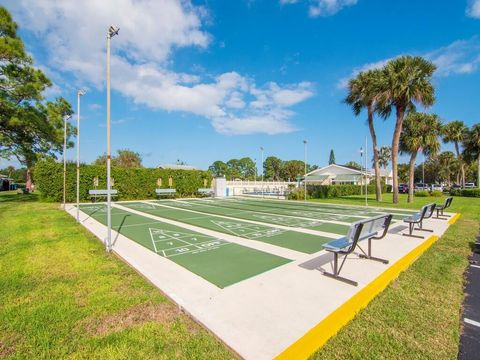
(374,228)
(441,208)
(166,192)
(94,194)
(426,212)
(206,191)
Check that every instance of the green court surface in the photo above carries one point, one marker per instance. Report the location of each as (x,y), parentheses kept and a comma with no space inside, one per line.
(218,261)
(240,211)
(298,241)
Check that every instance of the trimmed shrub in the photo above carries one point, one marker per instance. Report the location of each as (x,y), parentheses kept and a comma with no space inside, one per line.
(332,191)
(132,184)
(436,193)
(422,193)
(465,192)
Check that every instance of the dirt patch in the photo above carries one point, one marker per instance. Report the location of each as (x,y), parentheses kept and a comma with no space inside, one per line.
(6,350)
(164,313)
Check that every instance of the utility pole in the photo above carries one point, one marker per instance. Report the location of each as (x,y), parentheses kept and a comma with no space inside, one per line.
(79,94)
(65,119)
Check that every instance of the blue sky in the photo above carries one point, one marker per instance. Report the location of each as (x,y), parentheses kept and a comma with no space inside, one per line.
(206,80)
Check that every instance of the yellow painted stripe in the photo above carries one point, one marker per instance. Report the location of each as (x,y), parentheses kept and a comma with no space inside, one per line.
(328,327)
(454,219)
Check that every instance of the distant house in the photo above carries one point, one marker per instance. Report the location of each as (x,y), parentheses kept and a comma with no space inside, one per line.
(337,174)
(176,167)
(5,183)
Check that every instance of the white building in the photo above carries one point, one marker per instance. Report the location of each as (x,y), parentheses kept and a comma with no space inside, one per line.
(177,167)
(337,174)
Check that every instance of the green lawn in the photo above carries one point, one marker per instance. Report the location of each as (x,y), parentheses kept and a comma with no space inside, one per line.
(62,295)
(418,315)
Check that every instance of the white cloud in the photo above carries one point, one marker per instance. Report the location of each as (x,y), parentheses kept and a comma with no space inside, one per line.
(323,7)
(459,57)
(73,35)
(473,8)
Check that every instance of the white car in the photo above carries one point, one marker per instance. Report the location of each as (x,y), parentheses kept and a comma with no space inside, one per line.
(436,187)
(469,185)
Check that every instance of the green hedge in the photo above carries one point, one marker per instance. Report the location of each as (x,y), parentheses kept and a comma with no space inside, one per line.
(466,192)
(132,184)
(332,191)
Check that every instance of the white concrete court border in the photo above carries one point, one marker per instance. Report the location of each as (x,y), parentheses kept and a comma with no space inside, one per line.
(261,317)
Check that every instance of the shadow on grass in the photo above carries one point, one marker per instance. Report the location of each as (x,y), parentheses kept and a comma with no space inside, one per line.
(13,196)
(475,245)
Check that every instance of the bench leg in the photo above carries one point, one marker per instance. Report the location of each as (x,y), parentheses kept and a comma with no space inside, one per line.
(420,228)
(336,271)
(369,256)
(411,227)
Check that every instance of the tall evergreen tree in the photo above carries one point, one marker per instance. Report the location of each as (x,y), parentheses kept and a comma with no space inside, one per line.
(30,128)
(331,159)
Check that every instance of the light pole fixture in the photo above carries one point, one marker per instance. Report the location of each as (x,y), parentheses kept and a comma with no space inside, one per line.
(79,94)
(112,31)
(65,119)
(305,177)
(261,149)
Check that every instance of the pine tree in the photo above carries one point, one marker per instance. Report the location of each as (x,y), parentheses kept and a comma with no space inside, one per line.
(332,158)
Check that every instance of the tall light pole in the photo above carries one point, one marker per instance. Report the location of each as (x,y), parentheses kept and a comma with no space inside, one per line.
(361,166)
(305,177)
(65,119)
(112,31)
(261,149)
(79,94)
(255,161)
(366,174)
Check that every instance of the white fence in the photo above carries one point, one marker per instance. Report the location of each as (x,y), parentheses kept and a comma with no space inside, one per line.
(246,187)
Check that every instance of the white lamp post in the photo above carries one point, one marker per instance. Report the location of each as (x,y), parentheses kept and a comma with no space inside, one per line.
(261,149)
(112,31)
(79,94)
(305,177)
(65,119)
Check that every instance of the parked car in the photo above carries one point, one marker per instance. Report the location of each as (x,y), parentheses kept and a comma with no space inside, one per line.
(421,187)
(436,187)
(403,188)
(469,185)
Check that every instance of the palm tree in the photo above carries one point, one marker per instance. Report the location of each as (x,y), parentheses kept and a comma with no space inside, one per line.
(384,156)
(472,147)
(447,163)
(454,132)
(362,94)
(406,81)
(420,133)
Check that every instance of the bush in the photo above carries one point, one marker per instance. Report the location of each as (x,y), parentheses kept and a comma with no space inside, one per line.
(465,192)
(132,184)
(298,194)
(422,193)
(436,193)
(332,191)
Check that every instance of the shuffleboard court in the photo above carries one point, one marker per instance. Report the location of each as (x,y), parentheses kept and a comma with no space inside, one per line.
(370,211)
(306,243)
(220,262)
(246,213)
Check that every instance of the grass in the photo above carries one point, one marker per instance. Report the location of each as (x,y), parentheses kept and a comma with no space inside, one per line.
(418,315)
(63,296)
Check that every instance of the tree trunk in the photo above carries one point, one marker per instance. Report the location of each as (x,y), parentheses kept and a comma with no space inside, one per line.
(411,176)
(478,170)
(462,166)
(395,143)
(378,183)
(29,183)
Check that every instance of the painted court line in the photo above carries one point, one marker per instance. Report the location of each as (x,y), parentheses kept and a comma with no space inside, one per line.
(283,227)
(471,322)
(475,266)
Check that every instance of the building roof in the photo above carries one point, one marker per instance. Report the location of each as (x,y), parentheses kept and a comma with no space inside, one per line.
(335,169)
(176,167)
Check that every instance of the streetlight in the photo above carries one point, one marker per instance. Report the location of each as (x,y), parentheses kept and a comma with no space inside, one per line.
(305,177)
(112,31)
(79,94)
(261,149)
(361,166)
(65,119)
